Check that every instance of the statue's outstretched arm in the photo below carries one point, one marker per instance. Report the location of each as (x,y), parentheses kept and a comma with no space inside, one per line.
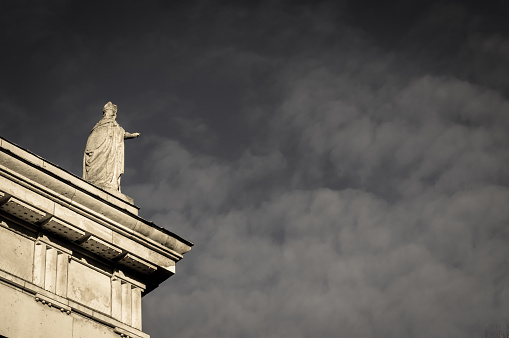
(129,135)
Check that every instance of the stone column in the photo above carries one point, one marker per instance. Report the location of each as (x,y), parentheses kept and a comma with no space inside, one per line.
(62,271)
(136,307)
(39,263)
(50,282)
(116,298)
(126,303)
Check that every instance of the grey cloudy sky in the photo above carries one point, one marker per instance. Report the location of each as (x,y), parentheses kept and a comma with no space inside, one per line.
(341,166)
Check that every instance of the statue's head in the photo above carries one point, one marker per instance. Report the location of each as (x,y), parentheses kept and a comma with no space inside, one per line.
(110,110)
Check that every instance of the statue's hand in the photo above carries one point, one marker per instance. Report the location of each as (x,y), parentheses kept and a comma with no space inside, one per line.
(129,135)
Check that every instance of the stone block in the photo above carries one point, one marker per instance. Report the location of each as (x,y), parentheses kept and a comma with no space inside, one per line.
(50,281)
(82,223)
(89,287)
(16,253)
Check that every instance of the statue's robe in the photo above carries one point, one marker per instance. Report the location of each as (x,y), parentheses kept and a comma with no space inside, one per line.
(103,161)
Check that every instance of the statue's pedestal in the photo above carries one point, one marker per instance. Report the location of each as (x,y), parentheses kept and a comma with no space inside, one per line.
(75,261)
(121,196)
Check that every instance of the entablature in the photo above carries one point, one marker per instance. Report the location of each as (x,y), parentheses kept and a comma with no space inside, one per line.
(36,192)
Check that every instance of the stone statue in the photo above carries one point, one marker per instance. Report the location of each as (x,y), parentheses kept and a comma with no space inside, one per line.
(103,161)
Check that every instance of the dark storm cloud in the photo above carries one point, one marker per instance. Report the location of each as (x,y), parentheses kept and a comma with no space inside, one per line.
(341,167)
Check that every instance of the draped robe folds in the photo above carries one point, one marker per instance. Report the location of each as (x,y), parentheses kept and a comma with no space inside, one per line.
(103,161)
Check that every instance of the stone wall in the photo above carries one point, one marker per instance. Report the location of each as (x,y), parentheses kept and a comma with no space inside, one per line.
(50,289)
(75,261)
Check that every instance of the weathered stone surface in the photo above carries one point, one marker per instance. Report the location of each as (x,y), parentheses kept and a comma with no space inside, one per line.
(89,287)
(16,253)
(74,259)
